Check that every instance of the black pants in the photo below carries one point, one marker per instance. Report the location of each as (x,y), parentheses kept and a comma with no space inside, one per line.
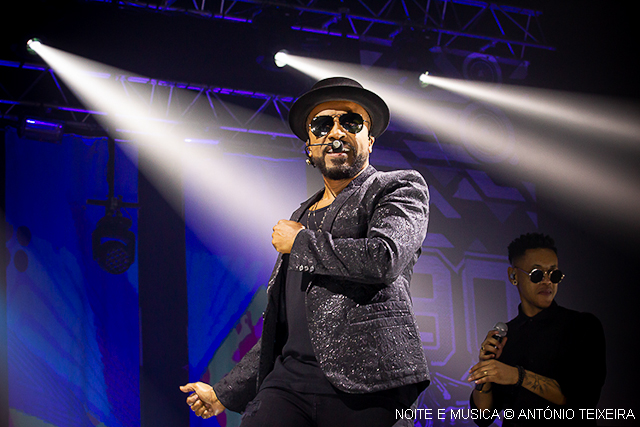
(275,407)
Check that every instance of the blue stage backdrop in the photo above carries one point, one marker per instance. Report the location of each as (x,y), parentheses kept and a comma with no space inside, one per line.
(73,335)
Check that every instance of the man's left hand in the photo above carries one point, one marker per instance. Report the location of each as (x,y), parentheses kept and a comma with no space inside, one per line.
(203,400)
(284,233)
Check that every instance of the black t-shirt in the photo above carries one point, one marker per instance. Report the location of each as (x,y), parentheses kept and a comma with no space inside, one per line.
(297,367)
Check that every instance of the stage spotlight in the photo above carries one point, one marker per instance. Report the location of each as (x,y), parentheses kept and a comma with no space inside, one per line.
(113,244)
(33,45)
(281,58)
(482,68)
(424,79)
(40,130)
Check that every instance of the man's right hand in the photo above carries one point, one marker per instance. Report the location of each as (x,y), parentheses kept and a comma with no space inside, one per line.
(491,348)
(203,400)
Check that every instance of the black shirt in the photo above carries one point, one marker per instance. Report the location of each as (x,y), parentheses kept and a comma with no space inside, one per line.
(561,344)
(297,367)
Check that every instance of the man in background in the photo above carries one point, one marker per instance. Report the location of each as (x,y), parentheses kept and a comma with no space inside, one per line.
(552,357)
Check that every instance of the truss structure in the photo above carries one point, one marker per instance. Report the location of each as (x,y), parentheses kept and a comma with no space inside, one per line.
(238,120)
(199,112)
(460,27)
(473,25)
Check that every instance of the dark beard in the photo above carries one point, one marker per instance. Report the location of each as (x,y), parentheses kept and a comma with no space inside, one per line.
(342,170)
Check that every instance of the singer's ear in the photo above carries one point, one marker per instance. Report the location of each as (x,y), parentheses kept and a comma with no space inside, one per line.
(307,150)
(371,141)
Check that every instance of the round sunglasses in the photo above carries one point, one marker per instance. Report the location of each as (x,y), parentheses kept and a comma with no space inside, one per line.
(536,276)
(322,125)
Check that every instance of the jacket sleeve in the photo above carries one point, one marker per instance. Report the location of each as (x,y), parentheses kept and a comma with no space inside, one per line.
(238,387)
(485,421)
(397,226)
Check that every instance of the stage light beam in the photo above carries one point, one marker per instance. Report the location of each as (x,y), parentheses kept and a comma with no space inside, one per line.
(571,176)
(206,178)
(584,114)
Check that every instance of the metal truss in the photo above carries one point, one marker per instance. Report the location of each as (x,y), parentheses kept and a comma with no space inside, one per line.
(451,28)
(199,112)
(475,26)
(233,119)
(450,31)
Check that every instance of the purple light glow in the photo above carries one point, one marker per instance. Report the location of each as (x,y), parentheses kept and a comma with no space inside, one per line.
(11,64)
(39,124)
(138,80)
(82,110)
(34,67)
(231,18)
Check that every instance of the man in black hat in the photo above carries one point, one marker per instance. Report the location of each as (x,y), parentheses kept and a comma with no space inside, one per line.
(340,345)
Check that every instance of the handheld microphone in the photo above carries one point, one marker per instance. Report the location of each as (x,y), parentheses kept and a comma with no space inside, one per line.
(501,332)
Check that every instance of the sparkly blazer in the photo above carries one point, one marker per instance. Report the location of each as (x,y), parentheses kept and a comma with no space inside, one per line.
(359,310)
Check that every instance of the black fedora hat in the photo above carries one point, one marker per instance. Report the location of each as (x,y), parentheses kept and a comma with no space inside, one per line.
(338,89)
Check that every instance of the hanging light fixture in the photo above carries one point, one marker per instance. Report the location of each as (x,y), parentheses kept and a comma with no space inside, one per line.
(112,242)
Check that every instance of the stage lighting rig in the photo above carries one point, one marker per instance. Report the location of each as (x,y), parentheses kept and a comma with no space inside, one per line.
(113,244)
(482,68)
(424,79)
(41,130)
(280,58)
(33,45)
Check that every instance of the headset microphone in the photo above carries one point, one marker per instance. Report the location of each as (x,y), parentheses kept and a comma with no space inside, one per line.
(336,144)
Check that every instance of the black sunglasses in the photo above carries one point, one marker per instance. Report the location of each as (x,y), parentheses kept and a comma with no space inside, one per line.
(322,125)
(536,276)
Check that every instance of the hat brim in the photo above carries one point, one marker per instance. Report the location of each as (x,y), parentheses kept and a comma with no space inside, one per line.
(372,103)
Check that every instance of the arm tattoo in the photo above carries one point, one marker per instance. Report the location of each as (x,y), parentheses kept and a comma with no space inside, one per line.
(540,384)
(544,387)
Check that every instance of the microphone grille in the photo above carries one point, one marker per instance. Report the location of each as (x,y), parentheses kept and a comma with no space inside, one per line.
(502,328)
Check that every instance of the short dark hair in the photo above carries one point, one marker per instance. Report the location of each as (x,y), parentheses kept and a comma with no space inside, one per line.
(519,246)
